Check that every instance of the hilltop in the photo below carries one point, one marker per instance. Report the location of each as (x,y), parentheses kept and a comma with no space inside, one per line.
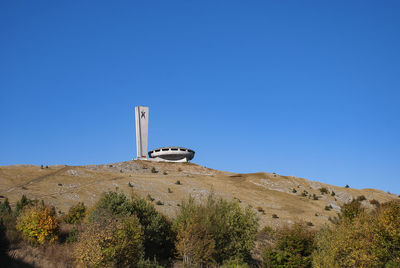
(289,198)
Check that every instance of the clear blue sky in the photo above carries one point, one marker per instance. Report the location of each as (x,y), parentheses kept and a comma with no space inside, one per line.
(304,88)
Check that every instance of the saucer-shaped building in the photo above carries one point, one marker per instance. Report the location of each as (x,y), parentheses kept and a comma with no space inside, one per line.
(178,154)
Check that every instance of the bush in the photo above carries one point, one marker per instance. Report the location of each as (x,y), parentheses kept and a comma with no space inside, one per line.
(315,197)
(375,202)
(367,240)
(361,198)
(115,242)
(153,170)
(347,186)
(333,193)
(158,237)
(223,230)
(38,225)
(178,182)
(159,203)
(324,190)
(195,243)
(169,191)
(274,216)
(23,203)
(5,207)
(112,203)
(234,263)
(146,263)
(294,191)
(72,236)
(75,214)
(328,207)
(351,210)
(292,247)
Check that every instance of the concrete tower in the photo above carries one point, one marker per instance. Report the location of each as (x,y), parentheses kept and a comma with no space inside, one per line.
(142,130)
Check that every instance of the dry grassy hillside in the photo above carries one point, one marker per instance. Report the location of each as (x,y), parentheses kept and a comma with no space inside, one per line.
(63,186)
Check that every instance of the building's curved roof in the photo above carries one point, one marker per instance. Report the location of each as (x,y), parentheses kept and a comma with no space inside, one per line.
(172,153)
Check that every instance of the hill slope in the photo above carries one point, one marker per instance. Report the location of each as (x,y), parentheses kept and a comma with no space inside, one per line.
(63,186)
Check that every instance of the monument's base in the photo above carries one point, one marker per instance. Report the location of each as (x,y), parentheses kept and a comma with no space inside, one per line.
(159,159)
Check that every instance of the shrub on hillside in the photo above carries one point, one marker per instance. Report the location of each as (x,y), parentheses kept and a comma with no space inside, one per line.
(195,243)
(22,203)
(115,242)
(157,233)
(324,190)
(38,225)
(223,231)
(351,210)
(292,247)
(362,240)
(75,214)
(113,203)
(5,207)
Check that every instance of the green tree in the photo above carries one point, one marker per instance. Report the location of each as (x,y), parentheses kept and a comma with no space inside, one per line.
(75,214)
(232,228)
(158,237)
(292,247)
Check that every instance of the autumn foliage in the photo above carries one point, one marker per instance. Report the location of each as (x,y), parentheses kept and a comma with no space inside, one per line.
(111,243)
(38,224)
(361,239)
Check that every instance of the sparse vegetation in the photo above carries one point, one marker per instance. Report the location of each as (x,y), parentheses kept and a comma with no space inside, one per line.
(149,198)
(260,209)
(122,231)
(324,190)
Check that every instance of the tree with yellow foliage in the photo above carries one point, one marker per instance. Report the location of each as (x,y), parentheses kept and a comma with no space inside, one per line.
(361,240)
(38,224)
